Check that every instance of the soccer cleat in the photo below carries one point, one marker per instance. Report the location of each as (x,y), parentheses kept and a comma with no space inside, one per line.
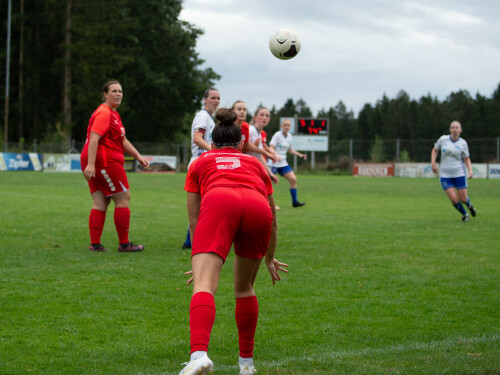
(246,369)
(130,247)
(186,246)
(98,247)
(199,366)
(472,210)
(466,218)
(298,204)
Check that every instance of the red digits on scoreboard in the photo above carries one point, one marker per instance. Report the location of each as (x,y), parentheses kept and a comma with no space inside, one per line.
(302,122)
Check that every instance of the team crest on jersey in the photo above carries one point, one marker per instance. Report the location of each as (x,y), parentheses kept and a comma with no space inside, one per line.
(122,130)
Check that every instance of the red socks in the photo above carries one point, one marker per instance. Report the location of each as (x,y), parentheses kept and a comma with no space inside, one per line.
(96,225)
(247,312)
(122,223)
(201,320)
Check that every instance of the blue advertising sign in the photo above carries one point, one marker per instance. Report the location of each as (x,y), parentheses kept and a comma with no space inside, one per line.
(20,162)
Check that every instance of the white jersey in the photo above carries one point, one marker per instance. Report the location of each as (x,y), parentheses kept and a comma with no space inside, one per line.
(452,156)
(202,120)
(281,145)
(253,137)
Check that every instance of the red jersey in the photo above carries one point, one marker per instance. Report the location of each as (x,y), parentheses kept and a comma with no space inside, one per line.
(227,167)
(263,135)
(108,124)
(245,132)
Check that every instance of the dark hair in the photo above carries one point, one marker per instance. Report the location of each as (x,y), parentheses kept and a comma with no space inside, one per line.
(105,88)
(226,132)
(207,91)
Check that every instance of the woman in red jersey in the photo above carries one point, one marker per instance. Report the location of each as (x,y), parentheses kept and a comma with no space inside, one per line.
(102,162)
(240,108)
(229,200)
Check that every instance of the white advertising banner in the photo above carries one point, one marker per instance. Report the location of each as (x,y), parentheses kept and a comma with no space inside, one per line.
(414,170)
(425,170)
(494,171)
(310,143)
(479,170)
(61,163)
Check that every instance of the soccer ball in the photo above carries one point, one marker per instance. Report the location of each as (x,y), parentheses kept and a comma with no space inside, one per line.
(284,44)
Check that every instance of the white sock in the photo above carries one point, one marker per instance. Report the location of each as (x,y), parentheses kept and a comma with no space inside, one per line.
(197,355)
(246,361)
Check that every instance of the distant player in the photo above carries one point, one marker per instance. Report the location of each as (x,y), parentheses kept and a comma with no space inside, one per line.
(102,163)
(281,142)
(260,120)
(201,133)
(229,200)
(454,159)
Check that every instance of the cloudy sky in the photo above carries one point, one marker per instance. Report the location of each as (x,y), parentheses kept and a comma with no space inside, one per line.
(352,50)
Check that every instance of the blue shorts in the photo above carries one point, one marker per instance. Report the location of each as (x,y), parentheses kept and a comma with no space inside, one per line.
(282,170)
(454,182)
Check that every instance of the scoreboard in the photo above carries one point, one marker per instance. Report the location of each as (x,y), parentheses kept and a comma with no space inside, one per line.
(312,126)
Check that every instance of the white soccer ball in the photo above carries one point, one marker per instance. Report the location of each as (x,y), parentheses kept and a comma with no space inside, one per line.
(284,44)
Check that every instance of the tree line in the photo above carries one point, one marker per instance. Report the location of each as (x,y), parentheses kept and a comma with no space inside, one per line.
(403,117)
(62,51)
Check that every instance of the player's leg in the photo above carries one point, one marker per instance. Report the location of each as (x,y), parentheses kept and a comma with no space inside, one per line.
(250,245)
(289,175)
(463,194)
(122,222)
(212,240)
(247,309)
(206,269)
(187,242)
(97,218)
(449,187)
(453,197)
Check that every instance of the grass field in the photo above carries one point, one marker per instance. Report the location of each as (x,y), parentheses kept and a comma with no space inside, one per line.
(384,279)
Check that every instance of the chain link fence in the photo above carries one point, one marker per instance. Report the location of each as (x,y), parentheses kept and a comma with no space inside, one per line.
(339,157)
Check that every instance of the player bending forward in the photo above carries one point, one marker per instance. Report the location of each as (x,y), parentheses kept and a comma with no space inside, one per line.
(229,200)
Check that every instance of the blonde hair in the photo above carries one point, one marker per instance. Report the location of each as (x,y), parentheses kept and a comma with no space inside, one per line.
(236,102)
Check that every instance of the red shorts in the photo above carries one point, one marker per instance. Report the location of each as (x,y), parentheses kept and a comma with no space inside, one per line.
(228,215)
(110,180)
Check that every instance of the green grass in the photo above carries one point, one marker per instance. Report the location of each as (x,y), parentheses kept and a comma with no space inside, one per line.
(384,279)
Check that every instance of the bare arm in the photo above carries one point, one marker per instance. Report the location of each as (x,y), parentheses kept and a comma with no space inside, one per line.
(296,153)
(131,150)
(198,139)
(433,160)
(469,166)
(273,265)
(272,176)
(89,171)
(250,147)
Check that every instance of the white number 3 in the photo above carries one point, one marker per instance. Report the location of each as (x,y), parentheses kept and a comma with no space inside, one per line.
(227,163)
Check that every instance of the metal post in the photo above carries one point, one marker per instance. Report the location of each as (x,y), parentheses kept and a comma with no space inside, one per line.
(34,145)
(295,163)
(312,160)
(498,148)
(185,161)
(350,149)
(178,155)
(7,73)
(397,150)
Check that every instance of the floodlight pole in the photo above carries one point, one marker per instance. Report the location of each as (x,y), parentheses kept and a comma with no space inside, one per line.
(7,72)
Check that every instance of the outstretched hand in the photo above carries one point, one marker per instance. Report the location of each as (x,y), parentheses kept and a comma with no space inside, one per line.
(189,273)
(274,266)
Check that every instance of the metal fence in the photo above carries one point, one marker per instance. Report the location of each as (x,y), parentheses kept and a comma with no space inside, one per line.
(339,157)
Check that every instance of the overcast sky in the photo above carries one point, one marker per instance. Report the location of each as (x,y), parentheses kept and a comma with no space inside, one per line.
(352,50)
